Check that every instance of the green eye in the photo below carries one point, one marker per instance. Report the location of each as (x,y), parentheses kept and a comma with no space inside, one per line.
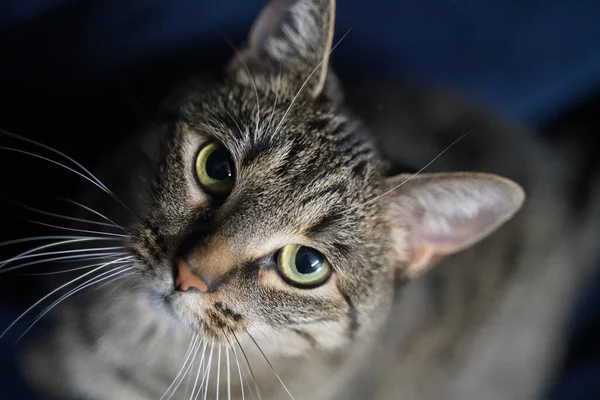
(303,266)
(214,169)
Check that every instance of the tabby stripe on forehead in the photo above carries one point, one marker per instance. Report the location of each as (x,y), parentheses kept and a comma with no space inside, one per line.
(336,189)
(260,146)
(323,224)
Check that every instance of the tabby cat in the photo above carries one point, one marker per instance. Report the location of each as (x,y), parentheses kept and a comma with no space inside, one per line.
(267,251)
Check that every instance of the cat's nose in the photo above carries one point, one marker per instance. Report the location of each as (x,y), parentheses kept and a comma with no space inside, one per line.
(186,279)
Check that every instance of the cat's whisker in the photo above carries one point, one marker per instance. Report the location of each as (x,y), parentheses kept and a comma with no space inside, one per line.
(58,289)
(54,253)
(212,347)
(41,238)
(97,213)
(204,364)
(98,257)
(197,377)
(64,228)
(228,373)
(200,368)
(69,218)
(248,364)
(187,370)
(374,199)
(186,357)
(218,371)
(239,56)
(54,244)
(307,80)
(75,269)
(239,128)
(77,257)
(237,361)
(276,98)
(93,281)
(268,339)
(89,177)
(270,365)
(187,384)
(53,150)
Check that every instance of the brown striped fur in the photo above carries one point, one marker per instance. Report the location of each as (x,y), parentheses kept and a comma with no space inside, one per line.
(483,323)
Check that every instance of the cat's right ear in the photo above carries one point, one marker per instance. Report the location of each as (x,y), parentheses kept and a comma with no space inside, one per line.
(290,40)
(435,215)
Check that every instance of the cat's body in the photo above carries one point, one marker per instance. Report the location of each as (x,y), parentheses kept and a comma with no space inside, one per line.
(485,323)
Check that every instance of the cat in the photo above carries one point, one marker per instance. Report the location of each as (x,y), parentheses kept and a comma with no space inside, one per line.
(268,252)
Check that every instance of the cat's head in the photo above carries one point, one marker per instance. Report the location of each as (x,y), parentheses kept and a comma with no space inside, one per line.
(271,209)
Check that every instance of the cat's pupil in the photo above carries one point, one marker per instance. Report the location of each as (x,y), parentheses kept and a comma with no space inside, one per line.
(219,165)
(308,260)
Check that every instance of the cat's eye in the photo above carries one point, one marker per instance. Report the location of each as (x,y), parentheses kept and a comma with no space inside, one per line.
(214,169)
(303,266)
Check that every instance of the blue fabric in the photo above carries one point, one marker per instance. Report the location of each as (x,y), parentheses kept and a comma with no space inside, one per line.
(528,58)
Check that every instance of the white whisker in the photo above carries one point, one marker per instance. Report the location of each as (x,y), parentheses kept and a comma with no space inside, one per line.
(200,366)
(69,218)
(218,371)
(237,361)
(15,136)
(270,365)
(75,269)
(186,357)
(72,251)
(98,184)
(64,228)
(248,365)
(89,177)
(237,53)
(77,257)
(196,380)
(276,98)
(90,282)
(96,212)
(307,80)
(56,290)
(54,244)
(212,347)
(228,374)
(410,177)
(40,238)
(187,369)
(269,340)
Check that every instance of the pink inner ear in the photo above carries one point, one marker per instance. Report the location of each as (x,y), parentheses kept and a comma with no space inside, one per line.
(267,23)
(447,213)
(448,235)
(421,258)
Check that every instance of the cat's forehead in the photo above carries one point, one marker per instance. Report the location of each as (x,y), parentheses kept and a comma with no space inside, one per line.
(301,165)
(286,134)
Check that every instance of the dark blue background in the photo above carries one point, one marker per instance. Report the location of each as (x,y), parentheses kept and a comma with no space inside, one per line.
(63,60)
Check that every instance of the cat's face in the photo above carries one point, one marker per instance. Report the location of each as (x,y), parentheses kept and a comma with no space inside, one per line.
(266,211)
(298,183)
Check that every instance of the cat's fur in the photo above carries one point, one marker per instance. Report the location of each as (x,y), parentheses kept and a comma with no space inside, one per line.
(485,323)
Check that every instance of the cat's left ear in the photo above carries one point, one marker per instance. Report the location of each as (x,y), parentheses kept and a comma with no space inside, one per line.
(291,38)
(435,215)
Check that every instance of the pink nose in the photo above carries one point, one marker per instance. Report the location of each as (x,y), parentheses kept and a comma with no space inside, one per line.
(185,279)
